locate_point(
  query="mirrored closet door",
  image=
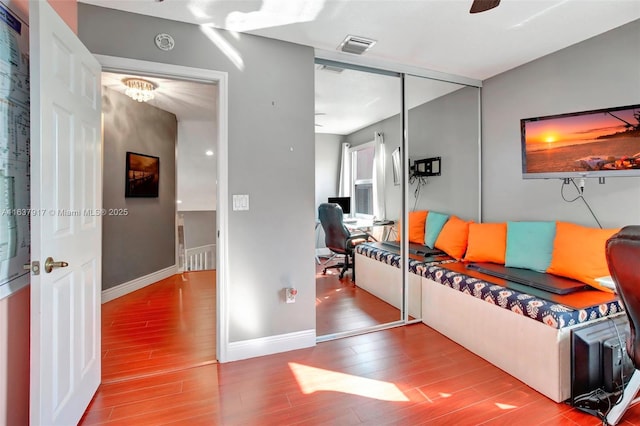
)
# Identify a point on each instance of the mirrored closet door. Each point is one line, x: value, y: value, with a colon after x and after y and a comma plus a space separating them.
x: 358, y: 127
x: 443, y: 175
x: 390, y: 149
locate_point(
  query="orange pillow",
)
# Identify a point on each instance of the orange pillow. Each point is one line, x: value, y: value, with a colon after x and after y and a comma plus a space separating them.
x: 487, y: 243
x: 579, y: 253
x: 453, y: 237
x: 417, y: 221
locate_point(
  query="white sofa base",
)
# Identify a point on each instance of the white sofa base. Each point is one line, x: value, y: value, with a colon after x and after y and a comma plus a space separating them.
x: 529, y: 350
x: 385, y: 282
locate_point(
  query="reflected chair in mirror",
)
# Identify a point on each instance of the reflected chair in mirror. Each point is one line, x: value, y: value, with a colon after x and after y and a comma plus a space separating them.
x: 623, y: 259
x: 338, y: 238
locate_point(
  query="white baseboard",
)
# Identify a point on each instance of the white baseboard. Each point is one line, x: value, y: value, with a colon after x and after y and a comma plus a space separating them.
x: 270, y: 345
x: 133, y: 285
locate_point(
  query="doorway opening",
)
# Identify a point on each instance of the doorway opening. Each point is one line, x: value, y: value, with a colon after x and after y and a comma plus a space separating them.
x: 200, y: 105
x: 176, y: 130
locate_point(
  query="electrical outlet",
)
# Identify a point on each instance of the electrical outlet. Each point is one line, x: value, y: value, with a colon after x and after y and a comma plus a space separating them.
x: 291, y: 294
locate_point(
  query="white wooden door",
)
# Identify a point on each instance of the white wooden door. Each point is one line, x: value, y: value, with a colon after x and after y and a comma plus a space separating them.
x: 66, y: 198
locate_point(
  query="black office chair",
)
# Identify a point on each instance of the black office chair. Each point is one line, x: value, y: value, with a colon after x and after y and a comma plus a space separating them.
x: 338, y: 238
x: 623, y: 258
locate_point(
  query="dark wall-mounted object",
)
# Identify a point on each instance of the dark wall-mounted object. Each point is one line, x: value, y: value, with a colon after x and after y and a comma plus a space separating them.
x: 142, y: 175
x: 426, y: 167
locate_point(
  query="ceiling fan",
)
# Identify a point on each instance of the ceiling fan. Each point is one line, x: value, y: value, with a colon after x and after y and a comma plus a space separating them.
x: 483, y: 5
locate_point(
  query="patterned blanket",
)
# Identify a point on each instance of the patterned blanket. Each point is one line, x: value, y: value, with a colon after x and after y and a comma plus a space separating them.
x: 553, y: 314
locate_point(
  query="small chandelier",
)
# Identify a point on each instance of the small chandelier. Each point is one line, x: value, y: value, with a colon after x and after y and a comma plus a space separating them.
x: 139, y: 89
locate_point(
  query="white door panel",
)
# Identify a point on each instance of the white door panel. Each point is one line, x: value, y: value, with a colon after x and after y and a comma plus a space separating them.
x: 66, y: 185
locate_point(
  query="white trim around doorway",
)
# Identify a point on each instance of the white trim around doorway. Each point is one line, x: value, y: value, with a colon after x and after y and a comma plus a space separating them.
x: 117, y: 64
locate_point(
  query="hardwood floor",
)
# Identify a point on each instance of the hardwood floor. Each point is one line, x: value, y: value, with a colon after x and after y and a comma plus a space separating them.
x: 341, y: 306
x: 407, y: 376
x: 404, y: 376
x: 167, y: 326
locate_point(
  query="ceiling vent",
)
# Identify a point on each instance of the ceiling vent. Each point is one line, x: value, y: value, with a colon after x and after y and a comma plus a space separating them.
x: 356, y: 45
x: 331, y: 68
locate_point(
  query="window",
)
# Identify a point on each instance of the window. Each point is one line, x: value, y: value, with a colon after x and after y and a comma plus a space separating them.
x: 362, y: 172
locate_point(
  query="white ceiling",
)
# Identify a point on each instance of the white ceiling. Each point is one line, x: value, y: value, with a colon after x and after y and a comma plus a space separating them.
x: 438, y: 35
x: 351, y: 100
x: 188, y: 100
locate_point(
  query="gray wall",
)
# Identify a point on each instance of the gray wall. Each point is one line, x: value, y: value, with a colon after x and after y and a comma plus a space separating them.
x: 142, y: 241
x: 598, y: 73
x: 271, y: 158
x: 328, y: 152
x: 446, y: 127
x: 199, y: 228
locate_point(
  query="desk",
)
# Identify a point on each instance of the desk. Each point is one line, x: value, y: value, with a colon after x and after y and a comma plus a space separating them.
x: 369, y: 226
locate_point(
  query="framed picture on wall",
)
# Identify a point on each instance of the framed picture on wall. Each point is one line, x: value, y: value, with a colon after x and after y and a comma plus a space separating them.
x: 143, y: 175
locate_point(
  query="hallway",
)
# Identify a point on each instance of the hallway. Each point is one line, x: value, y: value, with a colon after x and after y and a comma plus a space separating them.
x: 164, y: 327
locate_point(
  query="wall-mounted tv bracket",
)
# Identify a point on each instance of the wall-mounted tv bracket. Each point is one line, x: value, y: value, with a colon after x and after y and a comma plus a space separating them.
x: 427, y: 167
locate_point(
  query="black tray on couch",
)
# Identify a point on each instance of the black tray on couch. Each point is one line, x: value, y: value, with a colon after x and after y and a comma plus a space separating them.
x: 542, y: 281
x: 414, y: 248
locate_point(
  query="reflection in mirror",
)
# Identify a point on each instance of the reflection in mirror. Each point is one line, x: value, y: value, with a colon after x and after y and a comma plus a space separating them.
x: 397, y: 166
x: 443, y: 122
x: 443, y: 153
x: 359, y: 155
x: 358, y: 126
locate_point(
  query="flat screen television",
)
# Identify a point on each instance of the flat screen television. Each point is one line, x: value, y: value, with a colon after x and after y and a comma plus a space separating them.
x: 343, y: 202
x: 596, y: 143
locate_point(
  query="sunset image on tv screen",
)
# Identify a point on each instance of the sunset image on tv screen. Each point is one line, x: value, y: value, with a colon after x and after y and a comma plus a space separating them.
x: 595, y: 140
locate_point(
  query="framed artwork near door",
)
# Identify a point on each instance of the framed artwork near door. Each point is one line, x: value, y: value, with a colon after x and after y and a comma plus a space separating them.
x: 143, y: 175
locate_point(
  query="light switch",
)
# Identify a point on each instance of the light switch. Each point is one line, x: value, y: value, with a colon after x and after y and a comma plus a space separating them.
x: 240, y: 202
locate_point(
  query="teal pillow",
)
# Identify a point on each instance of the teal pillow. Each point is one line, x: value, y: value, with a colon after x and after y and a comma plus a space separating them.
x: 530, y: 245
x: 435, y: 222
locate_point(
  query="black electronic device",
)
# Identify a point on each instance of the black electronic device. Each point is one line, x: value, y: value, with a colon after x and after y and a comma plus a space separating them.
x: 597, y: 362
x: 343, y: 202
x: 415, y: 248
x: 426, y: 167
x: 617, y: 366
x: 542, y: 281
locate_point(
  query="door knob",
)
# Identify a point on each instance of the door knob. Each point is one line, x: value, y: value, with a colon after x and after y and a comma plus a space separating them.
x: 49, y: 264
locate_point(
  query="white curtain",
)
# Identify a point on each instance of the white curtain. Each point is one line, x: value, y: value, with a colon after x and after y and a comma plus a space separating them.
x: 344, y: 186
x: 379, y: 161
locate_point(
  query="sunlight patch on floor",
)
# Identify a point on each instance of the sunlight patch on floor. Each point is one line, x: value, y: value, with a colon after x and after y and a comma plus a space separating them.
x: 505, y: 406
x: 312, y: 379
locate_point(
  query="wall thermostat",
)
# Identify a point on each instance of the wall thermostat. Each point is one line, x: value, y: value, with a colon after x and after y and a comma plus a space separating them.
x: 164, y: 42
